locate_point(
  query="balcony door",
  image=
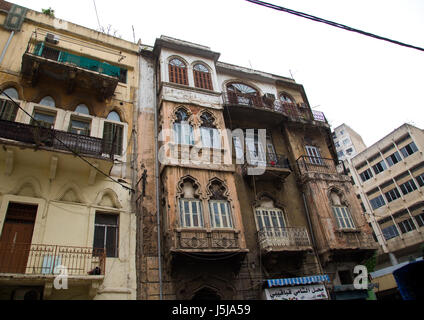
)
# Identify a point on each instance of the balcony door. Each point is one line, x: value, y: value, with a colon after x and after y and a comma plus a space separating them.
x: 314, y: 155
x: 16, y: 236
x: 264, y: 154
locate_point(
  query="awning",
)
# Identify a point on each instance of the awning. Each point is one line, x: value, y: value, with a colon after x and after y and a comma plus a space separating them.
x: 297, y: 281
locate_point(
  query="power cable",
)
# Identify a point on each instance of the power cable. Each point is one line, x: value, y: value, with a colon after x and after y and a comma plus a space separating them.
x: 66, y: 146
x: 331, y: 23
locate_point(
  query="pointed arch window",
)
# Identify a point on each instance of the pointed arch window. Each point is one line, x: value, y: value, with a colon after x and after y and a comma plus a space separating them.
x: 183, y: 131
x: 202, y: 77
x: 242, y: 94
x: 178, y: 71
x: 48, y: 101
x: 8, y: 110
x: 210, y: 134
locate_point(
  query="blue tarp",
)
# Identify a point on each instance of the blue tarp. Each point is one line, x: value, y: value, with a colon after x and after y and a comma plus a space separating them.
x: 410, y: 280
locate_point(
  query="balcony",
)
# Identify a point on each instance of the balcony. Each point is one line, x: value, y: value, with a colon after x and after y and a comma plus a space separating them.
x: 206, y: 240
x: 46, y: 58
x: 273, y: 167
x: 54, y: 139
x: 39, y: 264
x: 309, y: 164
x: 271, y: 110
x: 284, y: 239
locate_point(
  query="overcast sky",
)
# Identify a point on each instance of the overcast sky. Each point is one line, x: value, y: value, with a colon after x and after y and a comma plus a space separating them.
x: 371, y: 85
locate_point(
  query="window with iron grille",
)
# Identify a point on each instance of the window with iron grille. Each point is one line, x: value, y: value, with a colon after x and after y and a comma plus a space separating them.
x: 106, y: 231
x: 408, y: 187
x: 191, y: 215
x: 343, y: 217
x: 177, y: 71
x: 409, y: 149
x: 392, y: 194
x: 202, y: 77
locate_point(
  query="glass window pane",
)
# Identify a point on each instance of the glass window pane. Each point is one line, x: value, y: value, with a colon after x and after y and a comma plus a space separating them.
x: 111, y: 242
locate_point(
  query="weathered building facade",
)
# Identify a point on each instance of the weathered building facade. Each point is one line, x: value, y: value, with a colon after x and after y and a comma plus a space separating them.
x: 65, y: 159
x: 245, y: 182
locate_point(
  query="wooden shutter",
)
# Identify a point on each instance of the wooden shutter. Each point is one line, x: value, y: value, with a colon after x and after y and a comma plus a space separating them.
x: 8, y: 110
x: 112, y: 138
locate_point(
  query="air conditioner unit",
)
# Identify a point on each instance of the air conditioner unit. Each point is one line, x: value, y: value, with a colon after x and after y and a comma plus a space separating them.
x: 52, y: 38
x: 269, y: 96
x: 34, y: 293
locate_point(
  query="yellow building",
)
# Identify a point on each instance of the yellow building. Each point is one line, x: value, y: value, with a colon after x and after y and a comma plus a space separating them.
x: 65, y: 158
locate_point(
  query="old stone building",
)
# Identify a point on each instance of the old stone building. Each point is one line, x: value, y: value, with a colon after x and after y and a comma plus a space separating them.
x: 160, y: 172
x: 245, y: 183
x: 66, y: 113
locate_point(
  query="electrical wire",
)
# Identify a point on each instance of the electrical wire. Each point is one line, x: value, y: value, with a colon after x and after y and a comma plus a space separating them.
x: 331, y: 23
x: 65, y: 145
x: 97, y: 14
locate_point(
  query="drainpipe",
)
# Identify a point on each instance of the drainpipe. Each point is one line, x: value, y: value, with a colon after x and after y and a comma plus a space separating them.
x: 311, y: 232
x: 6, y: 46
x: 157, y: 175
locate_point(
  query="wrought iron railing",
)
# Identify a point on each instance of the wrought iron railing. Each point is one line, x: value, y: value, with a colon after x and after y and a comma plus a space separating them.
x: 39, y: 47
x: 309, y: 164
x: 55, y: 139
x: 204, y: 239
x: 284, y: 237
x: 43, y: 259
x: 296, y: 111
x: 268, y: 160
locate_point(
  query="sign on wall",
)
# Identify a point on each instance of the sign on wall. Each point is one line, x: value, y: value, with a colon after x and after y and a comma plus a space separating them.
x: 307, y: 292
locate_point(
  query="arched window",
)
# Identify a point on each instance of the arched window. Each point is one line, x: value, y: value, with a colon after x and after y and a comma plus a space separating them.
x: 11, y: 92
x: 341, y: 212
x: 177, y: 71
x: 210, y: 135
x: 286, y: 98
x: 82, y: 108
x: 183, y: 131
x: 113, y: 134
x: 202, y: 77
x: 219, y: 206
x: 190, y: 206
x: 48, y: 101
x: 242, y: 94
x: 8, y: 110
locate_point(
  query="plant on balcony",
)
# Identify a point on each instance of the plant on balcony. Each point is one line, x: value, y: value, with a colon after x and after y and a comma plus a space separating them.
x: 48, y: 12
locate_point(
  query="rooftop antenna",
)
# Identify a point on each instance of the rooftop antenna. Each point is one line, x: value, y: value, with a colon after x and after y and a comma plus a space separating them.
x: 133, y: 33
x: 250, y: 63
x: 97, y: 15
x: 291, y: 74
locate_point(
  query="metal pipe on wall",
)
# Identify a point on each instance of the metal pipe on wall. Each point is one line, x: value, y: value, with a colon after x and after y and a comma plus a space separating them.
x: 6, y: 46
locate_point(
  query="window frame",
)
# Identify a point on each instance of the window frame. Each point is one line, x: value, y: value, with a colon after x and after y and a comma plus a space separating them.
x: 408, y: 187
x: 344, y: 219
x: 107, y: 226
x: 202, y: 79
x: 219, y: 214
x: 177, y: 74
x: 380, y: 203
x: 183, y: 214
x: 107, y: 144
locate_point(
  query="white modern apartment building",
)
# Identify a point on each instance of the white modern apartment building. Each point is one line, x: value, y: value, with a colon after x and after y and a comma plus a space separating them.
x: 348, y: 142
x: 389, y: 181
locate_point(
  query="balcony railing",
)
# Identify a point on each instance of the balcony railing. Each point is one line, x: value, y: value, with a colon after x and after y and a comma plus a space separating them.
x: 59, y: 140
x: 43, y: 259
x: 38, y: 47
x: 203, y: 239
x: 284, y: 237
x: 272, y: 160
x: 294, y: 111
x: 309, y: 164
